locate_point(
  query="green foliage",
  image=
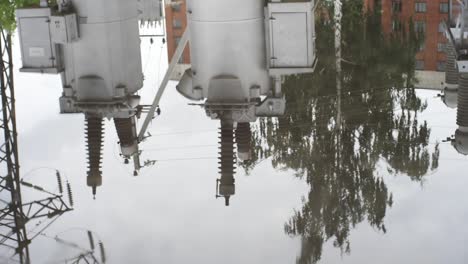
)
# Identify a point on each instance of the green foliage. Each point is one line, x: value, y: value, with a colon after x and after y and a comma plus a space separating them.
x: 7, y: 12
x: 379, y: 126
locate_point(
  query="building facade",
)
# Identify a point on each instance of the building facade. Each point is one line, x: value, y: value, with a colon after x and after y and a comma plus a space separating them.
x: 176, y: 23
x: 428, y: 17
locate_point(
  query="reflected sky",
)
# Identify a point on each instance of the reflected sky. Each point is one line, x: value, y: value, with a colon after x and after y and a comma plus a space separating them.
x: 384, y: 187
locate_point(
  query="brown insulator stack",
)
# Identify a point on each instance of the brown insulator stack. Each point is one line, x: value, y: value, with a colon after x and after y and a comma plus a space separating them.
x: 94, y: 138
x: 243, y: 140
x: 124, y: 127
x: 462, y: 115
x: 103, y: 252
x: 451, y: 71
x: 227, y: 160
x: 59, y: 181
x: 70, y: 194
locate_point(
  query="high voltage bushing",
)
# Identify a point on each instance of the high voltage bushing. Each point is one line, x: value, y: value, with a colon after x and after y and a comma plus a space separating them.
x: 243, y: 140
x: 227, y: 160
x: 94, y: 141
x: 461, y: 135
x: 59, y: 181
x: 70, y: 194
x: 103, y: 252
x: 124, y: 127
x: 91, y: 240
x: 451, y: 71
x: 462, y: 114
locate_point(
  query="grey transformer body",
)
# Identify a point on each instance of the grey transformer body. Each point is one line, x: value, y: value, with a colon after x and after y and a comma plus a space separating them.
x: 95, y: 47
x: 240, y: 55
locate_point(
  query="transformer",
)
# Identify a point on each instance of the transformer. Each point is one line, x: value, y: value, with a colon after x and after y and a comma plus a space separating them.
x: 265, y: 43
x: 240, y: 54
x: 457, y: 75
x: 95, y: 47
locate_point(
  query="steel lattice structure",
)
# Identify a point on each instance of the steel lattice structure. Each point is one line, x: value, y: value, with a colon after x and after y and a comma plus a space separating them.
x: 14, y: 214
x: 85, y: 256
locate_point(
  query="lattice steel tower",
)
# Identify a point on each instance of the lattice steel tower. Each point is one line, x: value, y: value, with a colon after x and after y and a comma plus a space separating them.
x: 15, y: 213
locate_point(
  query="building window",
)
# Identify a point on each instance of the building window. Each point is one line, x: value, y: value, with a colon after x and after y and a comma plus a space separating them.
x: 440, y: 47
x: 419, y: 65
x: 441, y: 66
x: 441, y: 27
x: 396, y: 6
x: 444, y: 8
x: 422, y: 47
x: 420, y: 26
x: 175, y: 7
x: 396, y: 25
x: 177, y: 23
x: 420, y: 7
x: 177, y: 40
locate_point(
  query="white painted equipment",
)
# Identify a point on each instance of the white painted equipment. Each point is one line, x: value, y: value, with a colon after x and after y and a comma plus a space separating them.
x: 95, y: 46
x: 100, y: 66
x: 240, y: 52
x: 457, y: 74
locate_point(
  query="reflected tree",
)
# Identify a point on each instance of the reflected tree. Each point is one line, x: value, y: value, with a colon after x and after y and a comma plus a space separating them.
x: 379, y: 127
x: 7, y: 12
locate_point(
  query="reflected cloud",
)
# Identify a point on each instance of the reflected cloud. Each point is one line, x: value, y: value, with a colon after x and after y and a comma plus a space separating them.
x: 340, y: 119
x: 336, y: 141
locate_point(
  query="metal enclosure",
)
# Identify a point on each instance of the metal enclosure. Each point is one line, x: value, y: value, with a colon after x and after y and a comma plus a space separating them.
x: 242, y: 51
x: 64, y: 28
x: 290, y: 37
x: 103, y: 69
x: 225, y: 45
x: 95, y: 46
x: 98, y: 55
x: 38, y: 53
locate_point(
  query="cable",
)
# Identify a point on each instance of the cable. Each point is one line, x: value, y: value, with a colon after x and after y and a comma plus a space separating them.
x: 45, y: 227
x: 148, y: 59
x: 179, y: 147
x: 49, y: 168
x: 185, y: 132
x: 159, y: 68
x: 187, y: 159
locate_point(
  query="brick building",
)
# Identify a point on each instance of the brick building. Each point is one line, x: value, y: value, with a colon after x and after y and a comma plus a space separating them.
x: 427, y: 16
x: 176, y: 22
